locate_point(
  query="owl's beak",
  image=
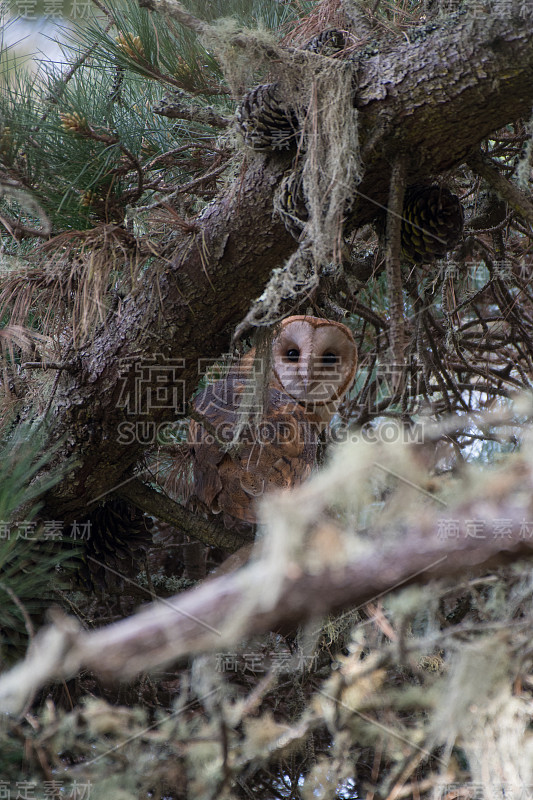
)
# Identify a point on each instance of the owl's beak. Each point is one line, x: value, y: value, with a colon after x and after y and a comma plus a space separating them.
x: 305, y: 377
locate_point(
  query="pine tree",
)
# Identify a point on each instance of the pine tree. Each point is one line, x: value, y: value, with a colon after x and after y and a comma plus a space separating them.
x: 150, y: 193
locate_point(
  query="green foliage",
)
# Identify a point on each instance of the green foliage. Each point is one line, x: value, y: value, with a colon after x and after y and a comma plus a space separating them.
x: 28, y: 560
x: 152, y: 47
x: 269, y: 13
x: 95, y: 135
x: 12, y: 766
x: 91, y: 170
x: 67, y: 167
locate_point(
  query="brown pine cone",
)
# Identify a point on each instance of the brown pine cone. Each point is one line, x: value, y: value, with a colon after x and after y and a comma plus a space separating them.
x: 265, y: 121
x: 432, y: 223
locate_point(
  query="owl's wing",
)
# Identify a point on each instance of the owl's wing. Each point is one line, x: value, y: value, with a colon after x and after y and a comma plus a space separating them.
x: 277, y: 453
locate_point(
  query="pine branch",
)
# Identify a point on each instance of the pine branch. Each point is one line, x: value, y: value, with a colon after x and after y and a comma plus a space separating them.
x: 14, y: 190
x: 177, y: 105
x: 19, y: 231
x: 210, y: 531
x: 485, y: 167
x: 61, y: 84
x: 178, y: 12
x: 188, y: 309
x: 394, y: 276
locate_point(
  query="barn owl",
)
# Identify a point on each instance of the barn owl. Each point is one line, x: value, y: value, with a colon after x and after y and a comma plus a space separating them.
x: 313, y: 363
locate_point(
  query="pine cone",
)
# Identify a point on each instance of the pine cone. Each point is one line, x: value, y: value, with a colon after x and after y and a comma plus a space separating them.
x: 291, y: 204
x: 327, y: 43
x: 432, y: 222
x: 118, y: 538
x: 265, y: 120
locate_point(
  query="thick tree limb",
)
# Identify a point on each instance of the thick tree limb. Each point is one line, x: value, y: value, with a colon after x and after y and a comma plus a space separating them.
x: 439, y: 95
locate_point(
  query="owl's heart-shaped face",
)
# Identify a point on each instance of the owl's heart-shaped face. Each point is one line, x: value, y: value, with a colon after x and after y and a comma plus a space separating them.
x: 313, y: 359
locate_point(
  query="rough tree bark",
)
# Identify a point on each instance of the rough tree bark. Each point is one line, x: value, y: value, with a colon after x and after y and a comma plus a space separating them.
x: 435, y: 98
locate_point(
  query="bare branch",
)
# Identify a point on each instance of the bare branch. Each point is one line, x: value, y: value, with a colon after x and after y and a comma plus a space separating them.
x: 210, y: 531
x: 393, y: 269
x: 178, y: 12
x: 232, y: 607
x: 485, y: 167
x: 178, y: 105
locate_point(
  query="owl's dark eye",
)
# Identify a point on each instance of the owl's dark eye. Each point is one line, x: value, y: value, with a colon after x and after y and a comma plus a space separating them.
x: 329, y: 358
x: 293, y: 355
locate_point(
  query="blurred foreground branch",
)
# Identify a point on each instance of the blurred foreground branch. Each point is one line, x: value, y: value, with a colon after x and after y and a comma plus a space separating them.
x: 275, y: 592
